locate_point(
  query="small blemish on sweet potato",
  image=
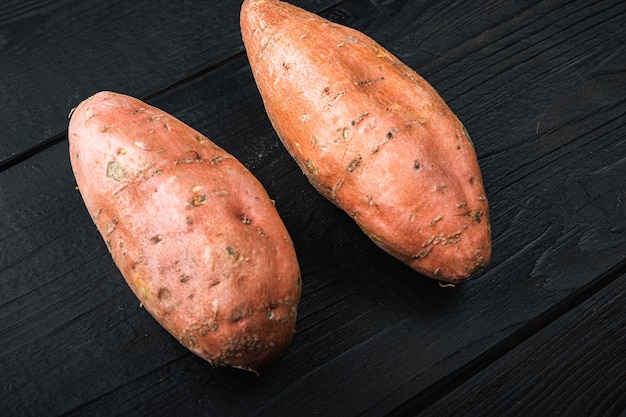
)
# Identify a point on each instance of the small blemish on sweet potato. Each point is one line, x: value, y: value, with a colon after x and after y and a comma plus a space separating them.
x: 217, y: 159
x: 310, y: 166
x: 452, y: 238
x: 359, y: 119
x: 197, y: 200
x: 423, y: 253
x: 188, y: 340
x: 115, y: 171
x: 142, y: 146
x: 234, y: 253
x: 192, y: 156
x: 435, y: 220
x: 475, y: 214
x: 164, y: 294
x: 238, y: 314
x: 380, y: 52
x: 354, y: 164
x: 335, y: 188
x: 111, y: 226
x: 370, y: 81
x: 348, y: 39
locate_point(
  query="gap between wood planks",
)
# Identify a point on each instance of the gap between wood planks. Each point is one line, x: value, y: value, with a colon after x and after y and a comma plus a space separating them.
x: 60, y: 137
x: 449, y: 383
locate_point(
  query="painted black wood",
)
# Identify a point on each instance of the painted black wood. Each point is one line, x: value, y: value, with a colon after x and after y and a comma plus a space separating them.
x: 56, y: 53
x: 575, y: 366
x: 540, y: 87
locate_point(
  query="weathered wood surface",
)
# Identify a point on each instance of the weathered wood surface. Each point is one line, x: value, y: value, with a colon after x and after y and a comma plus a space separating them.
x: 541, y: 88
x: 56, y: 53
x: 574, y: 366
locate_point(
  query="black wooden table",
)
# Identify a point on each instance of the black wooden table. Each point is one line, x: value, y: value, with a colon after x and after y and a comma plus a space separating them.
x: 540, y: 86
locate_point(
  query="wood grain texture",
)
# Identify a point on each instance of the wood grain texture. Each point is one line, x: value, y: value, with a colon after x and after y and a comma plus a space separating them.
x: 575, y: 366
x: 55, y: 54
x: 540, y: 87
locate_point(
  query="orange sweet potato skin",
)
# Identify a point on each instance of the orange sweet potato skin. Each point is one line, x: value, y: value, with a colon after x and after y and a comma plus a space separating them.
x: 373, y: 137
x: 193, y: 232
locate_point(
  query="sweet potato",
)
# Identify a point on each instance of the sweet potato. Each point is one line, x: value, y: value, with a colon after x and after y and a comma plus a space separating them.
x: 372, y: 136
x: 193, y: 232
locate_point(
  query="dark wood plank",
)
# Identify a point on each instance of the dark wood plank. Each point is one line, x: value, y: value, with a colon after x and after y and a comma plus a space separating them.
x: 552, y: 223
x: 56, y: 53
x: 371, y: 334
x: 575, y: 366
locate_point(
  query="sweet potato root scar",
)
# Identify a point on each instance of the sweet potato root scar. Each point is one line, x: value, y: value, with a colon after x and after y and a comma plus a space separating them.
x: 435, y: 220
x: 353, y: 164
